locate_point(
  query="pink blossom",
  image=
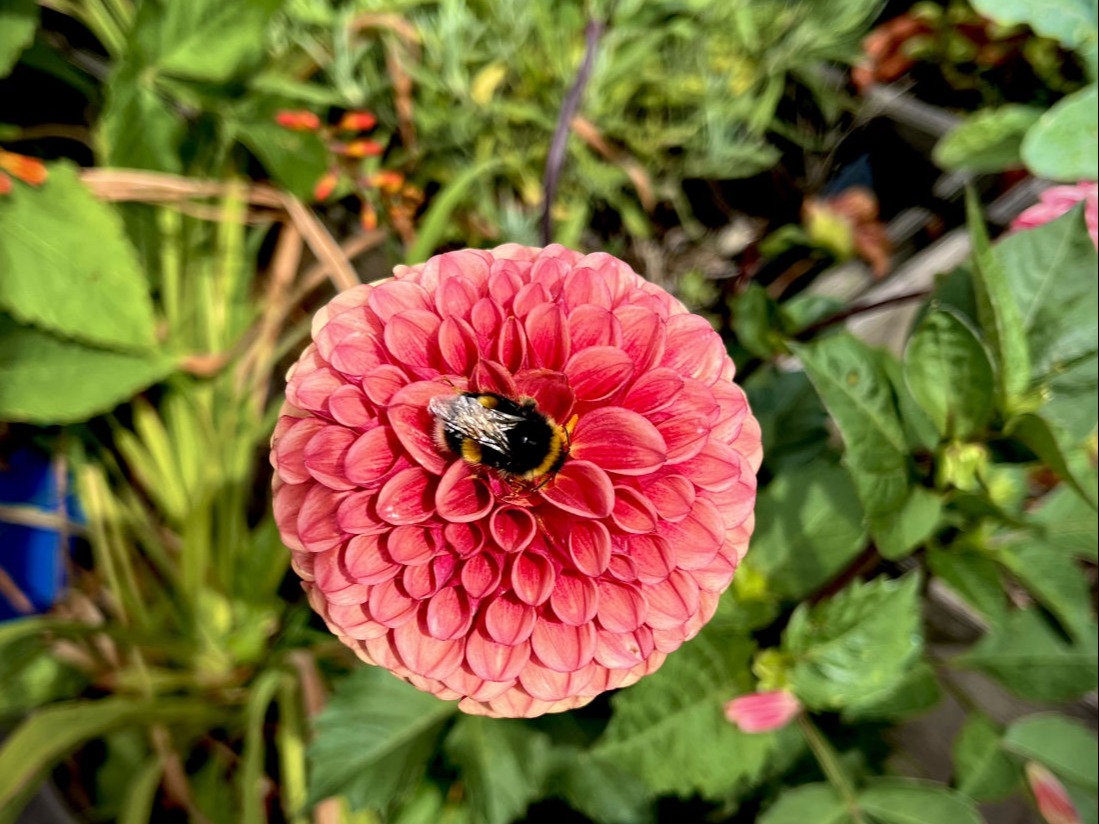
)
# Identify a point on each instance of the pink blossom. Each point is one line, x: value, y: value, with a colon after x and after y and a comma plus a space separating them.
x: 1057, y: 200
x: 763, y: 711
x: 516, y: 596
x: 1053, y: 800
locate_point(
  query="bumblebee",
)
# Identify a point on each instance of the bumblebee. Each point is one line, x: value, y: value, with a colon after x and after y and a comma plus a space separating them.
x: 486, y: 429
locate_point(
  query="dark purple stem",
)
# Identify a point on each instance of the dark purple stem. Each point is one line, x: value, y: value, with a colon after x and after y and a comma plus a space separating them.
x: 556, y: 157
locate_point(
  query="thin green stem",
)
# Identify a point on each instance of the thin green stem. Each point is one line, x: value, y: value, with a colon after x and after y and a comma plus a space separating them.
x: 829, y: 761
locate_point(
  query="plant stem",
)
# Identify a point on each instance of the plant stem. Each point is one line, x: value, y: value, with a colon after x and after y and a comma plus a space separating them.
x: 829, y: 761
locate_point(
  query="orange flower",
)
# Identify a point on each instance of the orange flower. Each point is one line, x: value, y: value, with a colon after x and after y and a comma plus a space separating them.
x: 298, y: 121
x: 359, y: 148
x: 358, y: 122
x: 30, y: 170
x: 326, y: 185
x: 387, y: 180
x: 5, y: 184
x: 368, y: 217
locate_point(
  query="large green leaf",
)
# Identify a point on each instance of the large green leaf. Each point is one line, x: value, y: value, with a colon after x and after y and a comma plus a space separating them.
x: 503, y: 765
x: 1071, y: 22
x: 47, y: 736
x: 1066, y: 747
x: 916, y: 692
x: 808, y: 804
x: 600, y: 789
x: 974, y: 576
x: 68, y: 266
x: 982, y: 770
x: 948, y: 372
x: 295, y: 160
x: 987, y: 141
x: 791, y: 416
x: 855, y: 646
x: 1068, y: 524
x: 808, y: 528
x: 1040, y: 437
x: 46, y: 380
x: 998, y: 311
x: 18, y: 21
x: 908, y: 801
x: 1033, y: 660
x: 669, y: 729
x: 1055, y: 579
x: 1061, y: 145
x: 856, y: 389
x: 138, y: 128
x: 374, y: 739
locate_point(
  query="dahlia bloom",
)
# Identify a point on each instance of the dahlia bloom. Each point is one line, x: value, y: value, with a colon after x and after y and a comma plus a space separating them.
x: 763, y: 711
x: 1057, y: 200
x: 517, y: 596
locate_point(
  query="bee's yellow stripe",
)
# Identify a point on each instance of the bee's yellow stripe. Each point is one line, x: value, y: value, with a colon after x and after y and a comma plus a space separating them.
x: 552, y: 454
x: 471, y: 451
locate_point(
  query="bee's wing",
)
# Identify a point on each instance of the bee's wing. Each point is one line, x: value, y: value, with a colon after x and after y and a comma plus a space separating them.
x: 467, y: 417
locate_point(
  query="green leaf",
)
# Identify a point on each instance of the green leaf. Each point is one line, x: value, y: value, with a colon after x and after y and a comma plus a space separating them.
x: 808, y: 804
x: 1068, y: 524
x: 948, y: 372
x: 917, y: 692
x: 998, y: 311
x: 46, y: 380
x: 1071, y: 22
x: 1056, y: 580
x: 1027, y: 656
x: 600, y: 789
x: 1066, y: 747
x: 374, y: 739
x: 296, y: 160
x: 206, y: 40
x: 974, y: 577
x: 855, y: 388
x: 69, y: 267
x: 138, y: 128
x: 808, y: 529
x: 1061, y: 145
x: 988, y: 140
x: 669, y: 729
x: 503, y: 765
x: 435, y: 225
x: 18, y: 22
x: 901, y: 533
x: 908, y: 801
x: 1051, y: 272
x: 756, y: 321
x: 49, y: 735
x: 855, y: 646
x: 790, y: 413
x: 982, y: 770
x: 1040, y: 438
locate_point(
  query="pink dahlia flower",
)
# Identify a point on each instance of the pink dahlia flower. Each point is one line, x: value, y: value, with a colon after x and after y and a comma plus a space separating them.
x: 516, y: 593
x: 1057, y: 200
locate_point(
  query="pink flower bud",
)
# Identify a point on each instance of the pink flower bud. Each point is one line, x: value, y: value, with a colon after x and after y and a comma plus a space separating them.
x: 1057, y: 200
x: 763, y: 711
x: 1053, y: 801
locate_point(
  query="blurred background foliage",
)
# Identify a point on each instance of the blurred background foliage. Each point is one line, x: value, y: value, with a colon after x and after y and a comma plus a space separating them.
x: 183, y: 183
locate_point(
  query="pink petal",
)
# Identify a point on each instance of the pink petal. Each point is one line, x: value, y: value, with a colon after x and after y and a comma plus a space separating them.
x: 512, y: 528
x: 618, y: 440
x: 313, y: 390
x: 464, y: 539
x: 716, y: 467
x: 357, y: 514
x: 735, y: 503
x: 390, y: 605
x: 598, y: 372
x: 684, y: 432
x: 633, y: 512
x: 486, y: 317
x: 371, y: 456
x: 622, y: 568
x: 468, y: 264
x: 407, y: 497
x: 528, y: 297
x: 354, y: 621
x: 672, y: 602
x: 549, y: 685
x: 653, y: 556
x: 581, y: 488
x: 425, y: 655
x: 317, y: 525
x: 575, y: 599
x: 411, y: 545
x: 381, y: 383
x: 718, y: 574
x: 481, y: 575
x: 419, y: 581
x: 672, y: 495
x: 454, y: 298
x: 504, y: 283
x: 550, y: 389
x: 619, y: 650
x: 492, y: 661
x: 490, y: 376
x: 732, y: 406
x: 532, y: 578
x: 698, y: 537
x: 642, y: 335
x: 547, y: 335
x: 590, y: 547
x: 585, y: 285
x: 763, y: 711
x: 458, y: 345
x: 462, y: 495
x: 410, y: 337
x: 333, y: 579
x: 562, y: 647
x: 395, y: 296
x: 693, y: 348
x: 368, y: 562
x: 288, y: 447
x: 653, y: 391
x: 622, y: 607
x: 511, y: 345
x: 507, y: 620
x: 593, y: 326
x: 350, y: 407
x: 414, y: 425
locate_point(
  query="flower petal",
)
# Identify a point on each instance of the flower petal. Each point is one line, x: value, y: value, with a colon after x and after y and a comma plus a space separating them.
x: 633, y: 512
x: 481, y: 575
x: 507, y: 620
x: 581, y: 488
x: 532, y: 577
x: 622, y: 607
x: 512, y: 528
x: 672, y: 602
x: 372, y: 456
x: 618, y: 440
x: 492, y: 661
x: 563, y: 647
x: 763, y: 711
x: 430, y: 657
x: 575, y: 598
x: 462, y: 495
x: 547, y: 334
x: 407, y: 497
x: 590, y: 547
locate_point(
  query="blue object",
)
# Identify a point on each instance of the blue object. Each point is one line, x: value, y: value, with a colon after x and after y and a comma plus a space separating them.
x: 31, y: 556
